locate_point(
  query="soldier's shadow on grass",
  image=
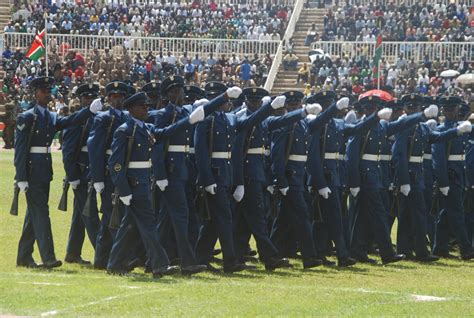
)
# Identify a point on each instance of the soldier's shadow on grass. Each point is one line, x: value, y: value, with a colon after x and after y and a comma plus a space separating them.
x: 170, y: 280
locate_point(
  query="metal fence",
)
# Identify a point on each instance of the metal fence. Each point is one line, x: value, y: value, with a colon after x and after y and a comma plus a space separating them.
x: 407, y: 3
x: 86, y: 43
x: 152, y: 2
x: 392, y: 50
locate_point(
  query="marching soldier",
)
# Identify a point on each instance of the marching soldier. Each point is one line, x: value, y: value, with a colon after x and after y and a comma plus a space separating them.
x: 325, y: 179
x: 76, y: 165
x: 152, y: 91
x: 130, y: 170
x: 371, y: 211
x: 408, y: 151
x: 98, y: 146
x: 450, y: 175
x: 172, y: 176
x: 35, y: 132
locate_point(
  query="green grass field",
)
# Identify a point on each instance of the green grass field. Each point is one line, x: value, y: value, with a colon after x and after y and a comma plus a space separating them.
x: 408, y: 288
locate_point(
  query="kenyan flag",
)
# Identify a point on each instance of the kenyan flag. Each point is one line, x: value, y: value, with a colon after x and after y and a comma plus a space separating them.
x: 377, y: 57
x: 37, y: 49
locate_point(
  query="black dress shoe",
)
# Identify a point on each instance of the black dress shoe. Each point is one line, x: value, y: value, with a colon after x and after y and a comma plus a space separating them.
x: 312, y: 262
x: 175, y: 261
x: 274, y: 263
x: 468, y: 256
x: 76, y: 260
x: 212, y: 269
x: 445, y: 255
x: 346, y: 262
x: 427, y: 258
x: 237, y: 267
x: 366, y: 260
x: 52, y: 264
x: 30, y: 264
x: 193, y: 269
x: 214, y: 259
x: 216, y: 252
x: 251, y: 253
x: 165, y: 270
x: 327, y: 262
x: 393, y: 259
x: 409, y: 256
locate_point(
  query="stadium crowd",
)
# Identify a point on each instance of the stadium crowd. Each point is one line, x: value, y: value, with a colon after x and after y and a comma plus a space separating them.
x: 420, y: 22
x: 168, y: 19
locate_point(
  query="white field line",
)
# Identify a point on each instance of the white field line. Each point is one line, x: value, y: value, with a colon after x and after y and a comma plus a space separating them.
x: 96, y: 302
x: 42, y: 283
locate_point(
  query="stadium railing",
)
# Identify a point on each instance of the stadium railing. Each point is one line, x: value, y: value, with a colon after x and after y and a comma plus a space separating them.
x: 392, y: 50
x: 407, y: 3
x: 86, y: 43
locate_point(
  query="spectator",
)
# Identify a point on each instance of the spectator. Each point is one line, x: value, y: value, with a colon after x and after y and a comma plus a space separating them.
x: 290, y: 61
x: 303, y: 74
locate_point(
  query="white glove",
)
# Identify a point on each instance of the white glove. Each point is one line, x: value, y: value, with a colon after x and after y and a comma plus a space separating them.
x: 95, y: 106
x: 444, y: 191
x: 99, y: 187
x: 284, y: 191
x: 405, y: 189
x: 313, y: 109
x: 279, y: 102
x: 431, y: 111
x: 239, y: 193
x: 310, y: 188
x: 350, y: 117
x: 200, y: 102
x: 162, y: 184
x: 324, y: 192
x: 197, y: 115
x: 234, y: 92
x: 385, y: 113
x: 355, y: 191
x: 74, y: 184
x: 126, y: 200
x: 271, y: 189
x: 431, y: 123
x: 211, y: 188
x: 23, y: 185
x: 464, y: 127
x: 343, y: 103
x: 266, y: 100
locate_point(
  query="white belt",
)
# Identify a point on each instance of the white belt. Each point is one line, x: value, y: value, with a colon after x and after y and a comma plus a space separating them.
x: 300, y: 158
x: 416, y: 159
x: 267, y: 152
x: 221, y: 155
x: 191, y: 150
x: 139, y: 164
x: 370, y: 157
x: 108, y: 152
x: 332, y: 155
x: 256, y: 151
x: 427, y: 156
x: 385, y: 157
x: 40, y: 149
x: 84, y: 149
x: 178, y: 148
x: 456, y: 157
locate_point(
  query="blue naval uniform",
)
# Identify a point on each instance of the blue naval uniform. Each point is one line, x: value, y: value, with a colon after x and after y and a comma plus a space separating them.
x: 217, y: 168
x: 293, y: 207
x: 324, y: 171
x: 428, y: 175
x: 137, y: 180
x: 251, y: 171
x: 370, y: 210
x: 450, y: 171
x: 34, y: 166
x: 77, y: 168
x: 99, y: 149
x: 174, y: 200
x: 412, y: 226
x: 470, y: 191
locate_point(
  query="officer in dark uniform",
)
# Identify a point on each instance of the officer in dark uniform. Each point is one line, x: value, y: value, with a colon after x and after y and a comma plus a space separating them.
x: 172, y: 177
x: 371, y: 212
x: 130, y: 169
x: 325, y: 179
x: 152, y: 91
x: 98, y: 146
x: 193, y: 93
x: 450, y: 175
x: 35, y: 132
x: 408, y: 150
x: 76, y: 165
